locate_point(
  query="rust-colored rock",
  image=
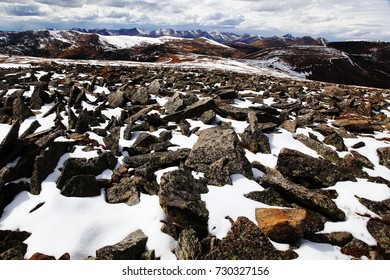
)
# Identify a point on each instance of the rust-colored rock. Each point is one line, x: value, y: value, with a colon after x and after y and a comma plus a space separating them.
x: 41, y: 257
x: 282, y: 225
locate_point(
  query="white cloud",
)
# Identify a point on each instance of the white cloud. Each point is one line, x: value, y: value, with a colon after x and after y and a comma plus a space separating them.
x: 338, y: 19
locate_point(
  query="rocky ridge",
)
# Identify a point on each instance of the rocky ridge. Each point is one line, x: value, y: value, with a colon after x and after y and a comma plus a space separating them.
x: 230, y: 122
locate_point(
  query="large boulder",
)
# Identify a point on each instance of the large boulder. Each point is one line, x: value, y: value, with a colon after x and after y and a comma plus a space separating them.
x: 308, y: 198
x: 130, y: 248
x: 282, y: 225
x: 384, y: 156
x: 180, y: 199
x: 309, y: 171
x: 219, y: 144
x: 244, y: 241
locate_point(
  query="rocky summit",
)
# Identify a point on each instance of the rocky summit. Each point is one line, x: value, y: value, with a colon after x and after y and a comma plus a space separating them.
x: 148, y: 161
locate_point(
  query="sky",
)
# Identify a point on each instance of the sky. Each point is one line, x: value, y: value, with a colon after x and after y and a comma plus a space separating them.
x: 332, y: 19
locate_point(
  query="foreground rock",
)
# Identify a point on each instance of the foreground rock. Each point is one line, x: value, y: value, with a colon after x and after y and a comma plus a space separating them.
x: 219, y: 151
x: 180, y: 199
x: 282, y: 225
x: 130, y: 248
x: 11, y: 244
x: 244, y: 241
x: 309, y: 171
x: 307, y: 198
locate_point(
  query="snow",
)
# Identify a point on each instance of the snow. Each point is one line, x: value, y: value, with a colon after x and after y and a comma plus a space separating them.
x: 4, y: 129
x: 124, y: 42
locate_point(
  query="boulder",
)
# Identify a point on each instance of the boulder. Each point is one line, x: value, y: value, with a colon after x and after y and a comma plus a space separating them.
x: 244, y: 241
x: 323, y: 150
x: 215, y: 144
x: 188, y: 246
x: 381, y: 232
x: 9, y: 140
x: 46, y: 162
x: 112, y: 140
x: 81, y: 186
x: 41, y: 257
x: 180, y: 199
x: 20, y: 110
x: 208, y: 117
x: 144, y: 143
x: 356, y: 248
x: 158, y: 159
x: 309, y: 171
x: 268, y: 196
x: 82, y: 124
x: 339, y: 238
x: 130, y: 248
x: 123, y: 192
x: 193, y: 111
x: 154, y: 87
x: 140, y: 97
x: 359, y: 126
x: 174, y: 104
x: 335, y: 140
x: 384, y: 156
x: 116, y: 99
x: 255, y: 140
x: 282, y: 225
x: 307, y: 198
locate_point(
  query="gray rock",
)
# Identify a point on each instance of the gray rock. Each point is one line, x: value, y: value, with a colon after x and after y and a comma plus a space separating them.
x: 130, y: 248
x: 215, y: 144
x: 154, y: 87
x: 188, y: 246
x: 193, y: 111
x: 244, y: 241
x: 20, y: 110
x: 123, y: 192
x: 116, y: 99
x: 381, y: 232
x: 82, y: 124
x: 335, y: 140
x: 323, y: 150
x: 309, y: 171
x: 10, y: 139
x: 362, y: 160
x: 384, y: 156
x: 180, y: 199
x: 307, y: 198
x: 255, y: 140
x: 208, y: 117
x: 140, y: 97
x: 174, y: 104
x: 159, y: 159
x: 112, y: 140
x: 46, y: 162
x: 340, y: 238
x: 144, y: 144
x: 268, y: 196
x: 81, y: 186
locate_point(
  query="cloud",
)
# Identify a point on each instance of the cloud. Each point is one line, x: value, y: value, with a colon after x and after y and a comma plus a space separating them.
x: 343, y: 19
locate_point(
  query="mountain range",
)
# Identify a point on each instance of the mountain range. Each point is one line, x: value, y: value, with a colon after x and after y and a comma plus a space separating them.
x: 357, y: 63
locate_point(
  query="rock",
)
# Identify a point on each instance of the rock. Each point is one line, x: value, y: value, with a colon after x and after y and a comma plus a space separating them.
x: 359, y: 126
x: 384, y: 156
x: 309, y: 171
x: 362, y: 160
x: 20, y: 110
x: 282, y: 225
x: 335, y: 140
x: 82, y: 124
x: 323, y: 150
x: 81, y: 186
x: 116, y: 99
x: 144, y: 144
x: 9, y: 140
x: 41, y: 257
x: 255, y: 140
x: 244, y: 241
x: 39, y: 96
x: 125, y: 191
x: 78, y: 166
x: 174, y: 104
x: 130, y: 248
x: 180, y: 199
x: 356, y: 248
x: 381, y: 208
x: 381, y: 232
x: 307, y: 198
x: 215, y: 144
x: 188, y: 246
x: 112, y: 140
x: 159, y: 159
x: 358, y: 145
x: 140, y: 97
x: 290, y: 125
x: 154, y: 87
x: 46, y: 162
x: 340, y: 238
x: 208, y: 117
x: 30, y: 130
x: 268, y: 196
x: 185, y: 127
x: 15, y: 252
x: 354, y: 167
x: 193, y: 111
x: 64, y: 257
x: 10, y: 191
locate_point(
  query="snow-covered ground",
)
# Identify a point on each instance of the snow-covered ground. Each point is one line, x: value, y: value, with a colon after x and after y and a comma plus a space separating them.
x: 80, y: 226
